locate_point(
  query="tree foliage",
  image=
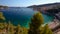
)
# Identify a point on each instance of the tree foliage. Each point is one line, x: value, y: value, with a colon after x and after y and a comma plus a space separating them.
x: 36, y: 22
x: 36, y: 25
x: 47, y: 30
x: 2, y: 18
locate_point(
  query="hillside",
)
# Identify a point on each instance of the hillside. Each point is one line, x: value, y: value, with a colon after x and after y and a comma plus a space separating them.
x: 3, y: 7
x: 49, y: 9
x: 44, y: 5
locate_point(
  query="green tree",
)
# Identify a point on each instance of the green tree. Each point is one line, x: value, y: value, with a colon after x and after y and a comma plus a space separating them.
x: 18, y: 29
x: 25, y: 30
x: 2, y: 18
x: 36, y: 25
x: 36, y: 22
x: 47, y: 30
x: 10, y: 28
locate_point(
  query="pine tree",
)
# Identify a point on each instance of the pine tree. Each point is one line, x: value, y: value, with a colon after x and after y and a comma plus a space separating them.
x: 36, y: 25
x: 50, y: 32
x: 10, y: 28
x: 2, y: 18
x: 5, y: 25
x: 41, y: 29
x: 36, y: 22
x: 47, y: 30
x: 18, y: 29
x: 25, y: 30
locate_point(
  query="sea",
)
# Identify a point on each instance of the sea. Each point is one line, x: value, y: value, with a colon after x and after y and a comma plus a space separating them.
x: 22, y: 16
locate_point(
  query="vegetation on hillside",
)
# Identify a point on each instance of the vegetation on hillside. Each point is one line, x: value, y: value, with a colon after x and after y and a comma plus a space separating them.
x: 9, y: 28
x: 35, y: 26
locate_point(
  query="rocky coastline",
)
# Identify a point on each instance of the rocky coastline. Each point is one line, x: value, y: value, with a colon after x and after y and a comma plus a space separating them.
x: 3, y: 7
x: 48, y: 9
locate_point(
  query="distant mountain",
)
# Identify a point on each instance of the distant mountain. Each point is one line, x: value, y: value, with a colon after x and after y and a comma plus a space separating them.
x: 3, y: 7
x: 49, y: 9
x: 45, y: 5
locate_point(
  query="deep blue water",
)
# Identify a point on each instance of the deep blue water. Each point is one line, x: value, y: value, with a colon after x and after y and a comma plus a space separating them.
x: 22, y: 16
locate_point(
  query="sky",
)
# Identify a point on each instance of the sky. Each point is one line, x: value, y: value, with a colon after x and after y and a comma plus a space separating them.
x: 25, y: 3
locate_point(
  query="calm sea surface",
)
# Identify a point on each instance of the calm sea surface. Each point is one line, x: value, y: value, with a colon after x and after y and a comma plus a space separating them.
x: 22, y: 16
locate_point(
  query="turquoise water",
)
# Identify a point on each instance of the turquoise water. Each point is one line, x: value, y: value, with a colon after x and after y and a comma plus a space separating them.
x: 22, y: 16
x: 48, y: 18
